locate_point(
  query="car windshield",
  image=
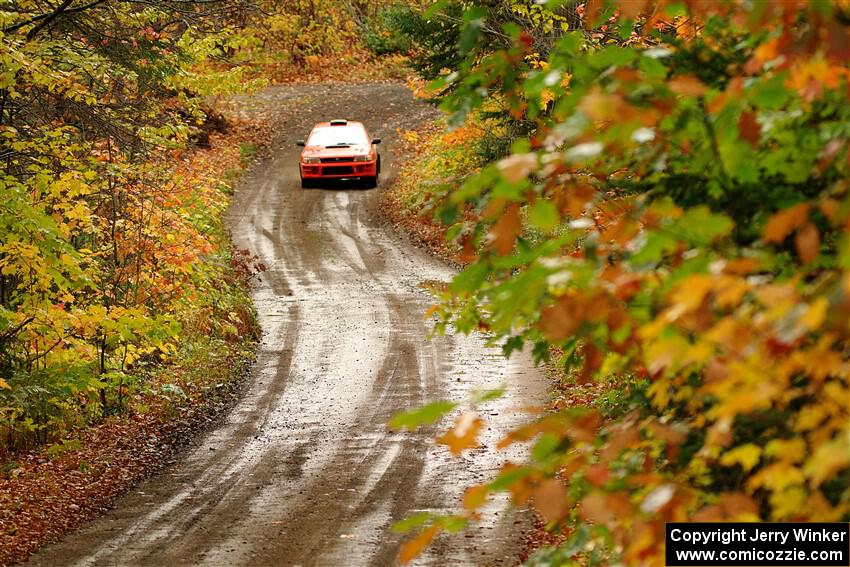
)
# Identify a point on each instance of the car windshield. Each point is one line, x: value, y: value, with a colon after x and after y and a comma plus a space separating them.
x: 337, y: 136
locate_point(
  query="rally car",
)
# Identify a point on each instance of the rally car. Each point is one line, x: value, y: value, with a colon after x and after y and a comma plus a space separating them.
x: 339, y: 149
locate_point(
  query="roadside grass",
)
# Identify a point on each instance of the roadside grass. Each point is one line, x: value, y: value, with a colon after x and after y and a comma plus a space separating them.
x: 434, y: 160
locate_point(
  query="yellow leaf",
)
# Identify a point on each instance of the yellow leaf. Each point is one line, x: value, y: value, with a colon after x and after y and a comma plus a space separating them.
x: 790, y: 450
x: 809, y: 418
x: 777, y: 476
x: 815, y: 314
x: 690, y: 294
x: 788, y: 503
x: 745, y: 455
x: 4, y: 385
x: 828, y: 459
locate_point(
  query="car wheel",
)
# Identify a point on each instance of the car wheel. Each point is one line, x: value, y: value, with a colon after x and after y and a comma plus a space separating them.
x: 306, y: 183
x: 371, y: 182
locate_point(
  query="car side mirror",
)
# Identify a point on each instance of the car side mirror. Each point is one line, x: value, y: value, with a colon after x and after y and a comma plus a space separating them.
x: 376, y: 140
x: 300, y: 143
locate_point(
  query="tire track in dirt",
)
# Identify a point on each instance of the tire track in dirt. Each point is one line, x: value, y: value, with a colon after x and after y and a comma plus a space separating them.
x: 304, y: 471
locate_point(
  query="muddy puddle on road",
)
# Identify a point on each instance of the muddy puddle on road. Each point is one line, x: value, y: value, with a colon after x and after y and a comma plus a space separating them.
x: 304, y: 470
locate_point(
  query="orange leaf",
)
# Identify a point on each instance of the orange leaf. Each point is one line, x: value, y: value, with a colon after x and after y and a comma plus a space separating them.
x: 807, y: 241
x: 737, y: 503
x: 632, y: 8
x: 782, y: 223
x: 550, y: 499
x: 829, y: 207
x: 467, y: 253
x: 517, y: 167
x: 584, y: 427
x: 594, y: 508
x: 599, y: 105
x: 767, y: 51
x: 593, y: 358
x: 687, y: 85
x: 741, y: 266
x: 413, y: 548
x: 506, y: 229
x: 601, y: 508
x: 462, y: 434
x: 561, y: 320
x: 475, y: 496
x: 597, y: 474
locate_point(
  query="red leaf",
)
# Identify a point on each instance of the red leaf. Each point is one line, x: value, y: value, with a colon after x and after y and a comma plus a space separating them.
x: 748, y: 128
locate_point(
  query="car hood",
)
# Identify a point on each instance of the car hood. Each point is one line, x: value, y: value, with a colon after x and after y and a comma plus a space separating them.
x: 321, y: 151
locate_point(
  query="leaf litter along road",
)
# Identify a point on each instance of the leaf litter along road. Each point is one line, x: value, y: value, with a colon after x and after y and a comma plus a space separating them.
x: 304, y: 470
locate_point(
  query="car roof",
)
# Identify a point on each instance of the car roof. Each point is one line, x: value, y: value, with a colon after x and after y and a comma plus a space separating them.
x: 348, y: 124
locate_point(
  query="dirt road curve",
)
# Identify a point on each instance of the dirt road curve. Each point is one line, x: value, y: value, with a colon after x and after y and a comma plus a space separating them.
x: 304, y: 471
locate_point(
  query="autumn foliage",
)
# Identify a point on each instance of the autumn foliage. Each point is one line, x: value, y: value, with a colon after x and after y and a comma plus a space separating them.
x: 113, y: 259
x: 674, y: 227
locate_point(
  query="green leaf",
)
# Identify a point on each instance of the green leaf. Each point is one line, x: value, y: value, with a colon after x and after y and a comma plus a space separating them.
x: 488, y: 395
x: 544, y: 447
x: 700, y: 226
x: 612, y: 55
x: 421, y: 416
x: 470, y: 279
x: 507, y: 478
x: 771, y: 94
x: 543, y: 215
x: 652, y: 68
x: 454, y: 523
x: 412, y: 522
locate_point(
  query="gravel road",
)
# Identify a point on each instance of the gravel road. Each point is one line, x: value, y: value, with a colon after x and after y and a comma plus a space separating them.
x: 304, y: 471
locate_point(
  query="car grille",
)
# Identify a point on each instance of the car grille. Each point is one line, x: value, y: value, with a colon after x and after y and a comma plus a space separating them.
x: 338, y: 170
x: 334, y: 159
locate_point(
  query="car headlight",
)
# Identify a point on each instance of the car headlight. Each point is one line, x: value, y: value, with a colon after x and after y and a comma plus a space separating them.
x: 310, y: 160
x: 367, y: 157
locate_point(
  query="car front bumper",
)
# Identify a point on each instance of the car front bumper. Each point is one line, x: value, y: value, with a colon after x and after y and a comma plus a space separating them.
x: 338, y: 170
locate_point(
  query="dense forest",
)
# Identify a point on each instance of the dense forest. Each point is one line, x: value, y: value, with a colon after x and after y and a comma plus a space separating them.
x: 113, y: 259
x: 650, y: 196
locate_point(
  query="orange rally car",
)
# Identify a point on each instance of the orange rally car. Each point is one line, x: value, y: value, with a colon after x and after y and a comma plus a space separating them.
x: 339, y: 149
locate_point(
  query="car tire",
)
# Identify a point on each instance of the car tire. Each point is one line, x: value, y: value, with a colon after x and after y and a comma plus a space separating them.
x: 306, y: 183
x: 371, y: 182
